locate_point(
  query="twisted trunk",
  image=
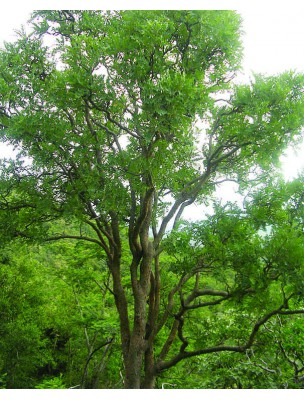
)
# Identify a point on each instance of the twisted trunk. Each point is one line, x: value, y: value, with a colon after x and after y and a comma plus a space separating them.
x: 137, y: 349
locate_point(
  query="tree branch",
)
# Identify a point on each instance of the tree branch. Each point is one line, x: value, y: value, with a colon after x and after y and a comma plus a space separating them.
x: 76, y: 237
x: 118, y: 124
x: 182, y: 355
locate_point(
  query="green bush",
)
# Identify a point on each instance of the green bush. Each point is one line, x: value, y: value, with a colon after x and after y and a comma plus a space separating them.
x: 53, y: 383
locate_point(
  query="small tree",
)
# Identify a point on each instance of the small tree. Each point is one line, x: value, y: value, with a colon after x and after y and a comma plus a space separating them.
x: 128, y: 118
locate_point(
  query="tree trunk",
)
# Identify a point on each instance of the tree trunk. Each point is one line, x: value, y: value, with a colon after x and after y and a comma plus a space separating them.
x: 140, y: 363
x: 142, y: 249
x: 139, y: 356
x: 149, y: 379
x: 133, y: 367
x: 134, y: 364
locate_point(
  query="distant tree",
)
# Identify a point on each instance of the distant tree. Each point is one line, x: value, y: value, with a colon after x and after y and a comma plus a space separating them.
x: 23, y: 350
x: 122, y: 121
x: 69, y: 339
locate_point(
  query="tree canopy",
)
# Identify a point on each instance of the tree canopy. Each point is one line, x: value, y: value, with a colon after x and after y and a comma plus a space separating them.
x: 121, y: 121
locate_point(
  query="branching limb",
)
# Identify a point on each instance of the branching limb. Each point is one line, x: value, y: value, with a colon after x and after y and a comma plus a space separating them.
x: 170, y: 302
x: 90, y: 356
x: 263, y: 367
x: 182, y: 355
x: 112, y: 120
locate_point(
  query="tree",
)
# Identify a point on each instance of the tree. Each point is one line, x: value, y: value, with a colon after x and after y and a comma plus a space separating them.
x: 123, y: 120
x: 23, y: 349
x: 68, y: 340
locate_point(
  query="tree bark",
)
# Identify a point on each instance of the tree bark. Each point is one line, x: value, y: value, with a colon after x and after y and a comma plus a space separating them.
x: 133, y: 366
x: 137, y: 346
x: 149, y: 378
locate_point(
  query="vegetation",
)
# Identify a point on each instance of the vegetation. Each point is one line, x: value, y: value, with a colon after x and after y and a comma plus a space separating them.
x: 123, y: 120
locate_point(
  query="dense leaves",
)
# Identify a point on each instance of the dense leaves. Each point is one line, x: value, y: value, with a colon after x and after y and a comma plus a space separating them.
x: 120, y: 121
x: 57, y: 326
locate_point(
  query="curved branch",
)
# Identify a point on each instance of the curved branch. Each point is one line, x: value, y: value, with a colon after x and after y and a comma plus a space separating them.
x: 182, y: 355
x: 206, y: 303
x: 181, y: 210
x: 76, y: 237
x: 185, y: 198
x: 90, y: 356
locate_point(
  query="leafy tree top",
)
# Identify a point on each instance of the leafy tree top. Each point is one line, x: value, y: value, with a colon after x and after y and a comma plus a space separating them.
x: 127, y: 118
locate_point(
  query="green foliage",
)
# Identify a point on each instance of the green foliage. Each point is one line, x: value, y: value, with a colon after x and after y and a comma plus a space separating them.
x: 271, y: 364
x: 3, y: 381
x: 53, y: 383
x: 121, y: 120
x: 42, y: 338
x: 22, y: 347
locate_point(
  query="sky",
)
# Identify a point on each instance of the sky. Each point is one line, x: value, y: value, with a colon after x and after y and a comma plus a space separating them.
x: 273, y: 36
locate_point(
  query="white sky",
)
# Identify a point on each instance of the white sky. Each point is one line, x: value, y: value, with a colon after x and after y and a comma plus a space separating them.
x: 273, y: 34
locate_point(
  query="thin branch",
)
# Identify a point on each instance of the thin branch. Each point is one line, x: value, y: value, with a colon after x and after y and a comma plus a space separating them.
x: 181, y: 210
x: 63, y: 236
x: 206, y: 303
x: 185, y: 198
x: 101, y: 239
x: 118, y: 124
x: 265, y: 368
x: 91, y: 353
x: 170, y: 302
x: 110, y: 132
